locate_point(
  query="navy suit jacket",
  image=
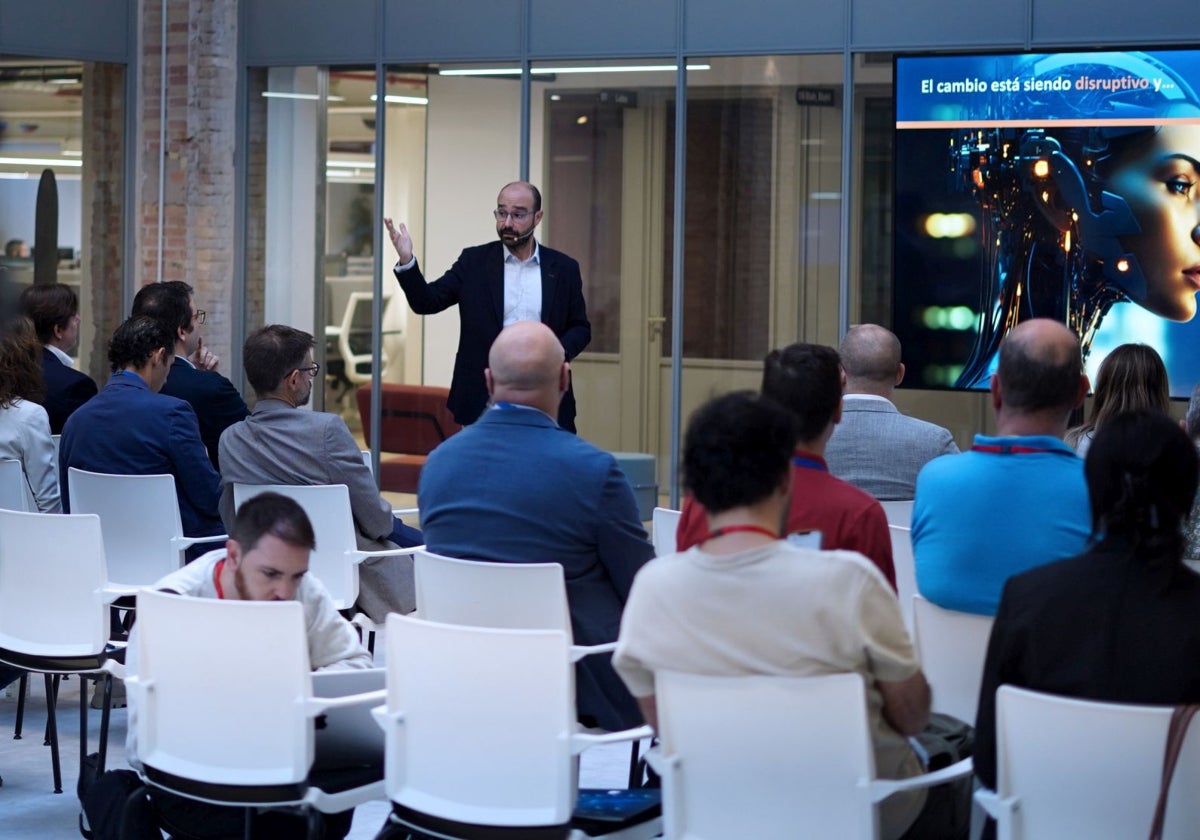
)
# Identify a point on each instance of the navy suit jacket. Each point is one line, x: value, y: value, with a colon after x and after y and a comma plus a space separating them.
x: 515, y: 488
x: 127, y: 429
x: 217, y: 404
x: 66, y: 390
x: 476, y: 283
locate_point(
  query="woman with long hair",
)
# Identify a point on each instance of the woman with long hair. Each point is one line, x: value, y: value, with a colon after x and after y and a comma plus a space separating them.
x: 24, y: 425
x: 1117, y: 623
x: 1132, y: 376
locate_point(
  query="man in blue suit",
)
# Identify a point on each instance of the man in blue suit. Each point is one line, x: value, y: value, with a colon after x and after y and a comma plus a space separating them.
x: 54, y: 310
x: 194, y: 377
x: 129, y: 428
x: 497, y: 285
x: 514, y: 487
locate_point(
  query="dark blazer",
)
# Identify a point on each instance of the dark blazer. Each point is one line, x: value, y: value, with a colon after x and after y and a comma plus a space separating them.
x: 66, y: 390
x: 217, y: 404
x: 1101, y: 626
x: 476, y: 283
x: 515, y: 488
x: 127, y: 429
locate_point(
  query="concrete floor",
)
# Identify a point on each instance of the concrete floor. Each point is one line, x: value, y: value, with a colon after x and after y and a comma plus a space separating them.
x: 30, y: 810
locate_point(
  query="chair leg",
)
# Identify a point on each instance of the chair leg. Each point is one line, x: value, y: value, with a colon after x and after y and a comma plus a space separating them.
x: 313, y: 825
x: 635, y: 768
x: 105, y: 715
x: 21, y: 690
x: 249, y: 824
x: 52, y: 733
x: 57, y: 678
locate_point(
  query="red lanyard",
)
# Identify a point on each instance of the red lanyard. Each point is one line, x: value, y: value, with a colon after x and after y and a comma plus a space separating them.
x: 748, y: 529
x: 217, y: 578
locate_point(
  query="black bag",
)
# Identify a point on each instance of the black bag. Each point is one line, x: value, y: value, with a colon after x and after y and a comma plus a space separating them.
x: 114, y: 804
x: 947, y: 811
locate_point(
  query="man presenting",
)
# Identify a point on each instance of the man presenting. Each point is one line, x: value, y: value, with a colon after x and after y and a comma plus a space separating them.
x: 496, y: 285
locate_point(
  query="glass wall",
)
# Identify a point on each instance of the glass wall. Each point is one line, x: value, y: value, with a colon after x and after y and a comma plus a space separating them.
x: 66, y: 118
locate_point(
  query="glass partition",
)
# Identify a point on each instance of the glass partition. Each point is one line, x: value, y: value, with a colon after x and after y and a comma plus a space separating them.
x: 66, y: 118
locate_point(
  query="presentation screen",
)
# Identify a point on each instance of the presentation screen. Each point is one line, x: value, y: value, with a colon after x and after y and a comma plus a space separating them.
x: 1060, y: 185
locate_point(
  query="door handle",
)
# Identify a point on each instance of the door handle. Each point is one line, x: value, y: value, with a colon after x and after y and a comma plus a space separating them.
x: 656, y: 325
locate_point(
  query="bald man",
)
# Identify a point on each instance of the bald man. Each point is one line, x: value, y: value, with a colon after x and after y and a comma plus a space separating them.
x: 1017, y: 499
x: 875, y: 447
x: 514, y: 488
x: 497, y: 285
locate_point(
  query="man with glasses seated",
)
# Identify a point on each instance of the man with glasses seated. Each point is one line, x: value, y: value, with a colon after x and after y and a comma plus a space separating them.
x: 496, y: 285
x: 276, y: 444
x: 194, y: 377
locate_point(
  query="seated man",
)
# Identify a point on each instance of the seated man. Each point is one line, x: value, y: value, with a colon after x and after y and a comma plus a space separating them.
x: 807, y: 380
x: 514, y: 488
x: 1018, y: 498
x: 744, y: 601
x: 54, y: 310
x: 279, y: 444
x: 875, y: 447
x: 129, y: 428
x: 265, y: 559
x: 194, y: 377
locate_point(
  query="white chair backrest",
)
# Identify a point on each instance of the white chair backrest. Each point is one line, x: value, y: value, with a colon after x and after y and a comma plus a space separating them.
x: 898, y: 512
x: 357, y: 325
x: 334, y: 562
x: 52, y: 574
x: 221, y: 687
x: 13, y: 494
x: 951, y: 646
x: 663, y: 525
x: 139, y: 518
x: 1079, y: 768
x: 522, y: 596
x: 765, y: 756
x: 906, y: 571
x: 503, y: 699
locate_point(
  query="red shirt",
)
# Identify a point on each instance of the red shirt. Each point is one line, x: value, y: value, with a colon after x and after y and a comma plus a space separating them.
x: 847, y: 517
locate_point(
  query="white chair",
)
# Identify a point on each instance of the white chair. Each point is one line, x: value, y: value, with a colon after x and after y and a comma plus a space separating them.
x: 336, y: 558
x: 663, y: 524
x: 1079, y: 768
x: 354, y: 338
x: 951, y: 646
x: 906, y: 571
x: 898, y: 512
x: 139, y: 519
x: 515, y: 596
x: 12, y: 485
x: 54, y: 611
x: 770, y: 757
x: 480, y: 726
x: 224, y: 721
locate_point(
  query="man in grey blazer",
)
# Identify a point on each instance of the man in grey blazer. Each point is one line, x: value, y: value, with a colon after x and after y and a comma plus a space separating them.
x: 280, y: 444
x: 875, y: 447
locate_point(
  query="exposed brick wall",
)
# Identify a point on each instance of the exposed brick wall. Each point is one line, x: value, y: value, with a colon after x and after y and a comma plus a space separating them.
x: 197, y: 217
x: 104, y: 149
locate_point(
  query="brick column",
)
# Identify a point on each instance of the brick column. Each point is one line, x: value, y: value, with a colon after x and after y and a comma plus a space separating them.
x: 200, y: 112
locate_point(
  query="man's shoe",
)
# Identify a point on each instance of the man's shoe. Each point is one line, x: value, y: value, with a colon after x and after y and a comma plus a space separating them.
x: 118, y: 695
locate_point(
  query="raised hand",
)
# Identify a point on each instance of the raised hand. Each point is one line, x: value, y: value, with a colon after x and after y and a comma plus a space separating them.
x: 400, y: 239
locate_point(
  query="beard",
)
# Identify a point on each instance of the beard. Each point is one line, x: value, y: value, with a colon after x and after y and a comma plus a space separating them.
x: 514, y: 238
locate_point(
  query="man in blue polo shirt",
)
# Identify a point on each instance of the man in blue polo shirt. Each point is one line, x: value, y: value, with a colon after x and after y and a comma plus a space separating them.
x: 1016, y: 500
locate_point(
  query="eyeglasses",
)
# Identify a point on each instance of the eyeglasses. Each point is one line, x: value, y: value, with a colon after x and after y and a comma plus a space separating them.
x: 199, y: 317
x: 517, y: 216
x: 311, y: 370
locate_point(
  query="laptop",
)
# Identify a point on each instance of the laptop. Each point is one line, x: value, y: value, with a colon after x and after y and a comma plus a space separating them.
x: 348, y: 737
